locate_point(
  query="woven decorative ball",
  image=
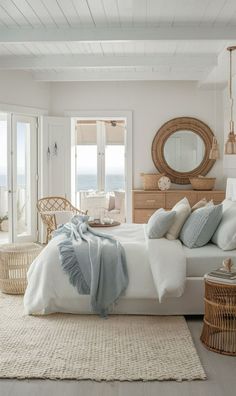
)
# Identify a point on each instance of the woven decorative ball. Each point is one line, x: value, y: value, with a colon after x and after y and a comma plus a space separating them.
x: 15, y: 260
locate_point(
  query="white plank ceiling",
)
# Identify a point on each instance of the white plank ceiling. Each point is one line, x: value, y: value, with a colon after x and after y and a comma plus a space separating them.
x: 58, y: 40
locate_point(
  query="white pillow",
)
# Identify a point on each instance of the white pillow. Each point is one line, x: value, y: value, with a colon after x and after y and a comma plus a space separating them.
x: 62, y: 216
x: 202, y: 204
x: 183, y: 210
x: 119, y: 198
x: 225, y: 235
x: 111, y: 202
x: 227, y: 203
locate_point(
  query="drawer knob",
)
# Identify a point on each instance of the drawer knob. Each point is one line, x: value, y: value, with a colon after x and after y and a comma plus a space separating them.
x: 150, y: 200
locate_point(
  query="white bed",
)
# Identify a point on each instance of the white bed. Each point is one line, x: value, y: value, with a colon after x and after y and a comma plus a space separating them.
x: 43, y: 294
x: 165, y: 277
x: 49, y: 289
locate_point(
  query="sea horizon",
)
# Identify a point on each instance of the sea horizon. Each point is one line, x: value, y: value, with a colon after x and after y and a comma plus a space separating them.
x: 84, y: 182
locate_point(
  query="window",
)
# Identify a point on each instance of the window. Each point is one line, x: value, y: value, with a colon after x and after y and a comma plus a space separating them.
x: 114, y: 167
x: 86, y: 167
x: 100, y: 162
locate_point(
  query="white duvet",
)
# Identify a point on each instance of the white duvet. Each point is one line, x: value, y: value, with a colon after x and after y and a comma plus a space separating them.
x: 157, y: 269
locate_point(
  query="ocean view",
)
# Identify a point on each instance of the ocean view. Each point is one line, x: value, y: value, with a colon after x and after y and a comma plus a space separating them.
x: 20, y: 180
x: 89, y: 182
x: 84, y: 182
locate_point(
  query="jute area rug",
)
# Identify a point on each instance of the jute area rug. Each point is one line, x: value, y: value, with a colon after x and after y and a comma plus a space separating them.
x: 124, y: 348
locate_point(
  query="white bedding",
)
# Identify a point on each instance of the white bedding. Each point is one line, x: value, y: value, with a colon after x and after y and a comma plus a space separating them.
x: 49, y: 289
x: 168, y: 264
x: 150, y: 276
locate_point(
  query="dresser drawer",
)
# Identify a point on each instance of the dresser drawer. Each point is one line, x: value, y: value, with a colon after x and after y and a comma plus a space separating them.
x: 217, y: 196
x: 173, y: 197
x: 146, y: 202
x: 141, y: 216
x: 149, y: 200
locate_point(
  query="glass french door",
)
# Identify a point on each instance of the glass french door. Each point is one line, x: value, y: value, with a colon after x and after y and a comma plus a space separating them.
x: 100, y: 156
x: 99, y: 164
x: 19, y: 179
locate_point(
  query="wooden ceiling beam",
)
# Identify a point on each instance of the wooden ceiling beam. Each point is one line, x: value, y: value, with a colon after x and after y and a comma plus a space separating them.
x: 77, y: 75
x: 41, y: 34
x: 108, y: 61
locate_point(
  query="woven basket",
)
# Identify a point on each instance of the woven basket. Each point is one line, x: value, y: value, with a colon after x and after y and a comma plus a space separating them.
x: 150, y: 180
x: 202, y: 183
x: 15, y: 260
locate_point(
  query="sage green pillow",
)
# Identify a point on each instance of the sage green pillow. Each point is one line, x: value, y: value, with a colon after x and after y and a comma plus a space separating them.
x: 159, y: 223
x: 200, y: 226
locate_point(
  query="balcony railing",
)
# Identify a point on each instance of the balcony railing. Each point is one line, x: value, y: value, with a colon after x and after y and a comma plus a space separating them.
x: 4, y: 212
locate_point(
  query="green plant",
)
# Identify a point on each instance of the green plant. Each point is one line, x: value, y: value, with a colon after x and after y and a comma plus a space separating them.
x: 2, y: 218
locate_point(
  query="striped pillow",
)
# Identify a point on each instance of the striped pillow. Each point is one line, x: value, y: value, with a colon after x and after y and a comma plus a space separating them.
x: 200, y: 226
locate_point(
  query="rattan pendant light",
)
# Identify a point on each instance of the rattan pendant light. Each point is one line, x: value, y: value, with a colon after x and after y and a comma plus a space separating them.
x: 230, y: 145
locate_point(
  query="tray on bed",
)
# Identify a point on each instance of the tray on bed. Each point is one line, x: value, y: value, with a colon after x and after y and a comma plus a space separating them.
x: 96, y: 224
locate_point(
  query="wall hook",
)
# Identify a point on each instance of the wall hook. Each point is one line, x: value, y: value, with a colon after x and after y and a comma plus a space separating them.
x: 55, y: 148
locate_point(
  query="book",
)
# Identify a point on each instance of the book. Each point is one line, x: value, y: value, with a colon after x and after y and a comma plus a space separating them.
x: 220, y: 280
x: 223, y: 274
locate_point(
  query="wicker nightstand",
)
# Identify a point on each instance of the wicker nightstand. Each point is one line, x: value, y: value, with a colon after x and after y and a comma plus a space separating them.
x: 15, y: 260
x: 219, y: 328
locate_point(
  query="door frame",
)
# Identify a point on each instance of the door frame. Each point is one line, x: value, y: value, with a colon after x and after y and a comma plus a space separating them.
x: 28, y: 111
x: 117, y: 114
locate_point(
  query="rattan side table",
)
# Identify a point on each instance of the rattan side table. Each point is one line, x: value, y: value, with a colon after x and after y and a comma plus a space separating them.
x: 219, y: 327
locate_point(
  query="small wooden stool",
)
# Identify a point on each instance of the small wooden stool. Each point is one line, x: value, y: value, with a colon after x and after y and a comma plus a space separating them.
x: 219, y: 328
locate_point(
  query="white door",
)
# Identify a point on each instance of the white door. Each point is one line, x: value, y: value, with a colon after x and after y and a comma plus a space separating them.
x: 23, y: 175
x: 55, y: 168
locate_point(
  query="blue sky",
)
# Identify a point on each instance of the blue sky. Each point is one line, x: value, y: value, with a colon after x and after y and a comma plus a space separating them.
x: 87, y: 160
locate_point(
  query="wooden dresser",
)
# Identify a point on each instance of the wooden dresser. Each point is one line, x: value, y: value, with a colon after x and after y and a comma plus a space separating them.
x: 146, y: 202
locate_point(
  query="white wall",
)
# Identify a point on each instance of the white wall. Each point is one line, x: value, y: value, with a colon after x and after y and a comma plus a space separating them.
x: 229, y: 163
x: 19, y: 88
x: 152, y: 104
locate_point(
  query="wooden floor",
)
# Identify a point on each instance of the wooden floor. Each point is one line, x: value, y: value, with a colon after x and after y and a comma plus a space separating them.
x: 221, y: 373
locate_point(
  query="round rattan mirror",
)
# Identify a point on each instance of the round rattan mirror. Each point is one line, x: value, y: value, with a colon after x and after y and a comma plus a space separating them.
x: 181, y: 148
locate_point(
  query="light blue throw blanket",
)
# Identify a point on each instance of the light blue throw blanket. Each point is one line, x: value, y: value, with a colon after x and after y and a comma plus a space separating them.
x: 95, y: 263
